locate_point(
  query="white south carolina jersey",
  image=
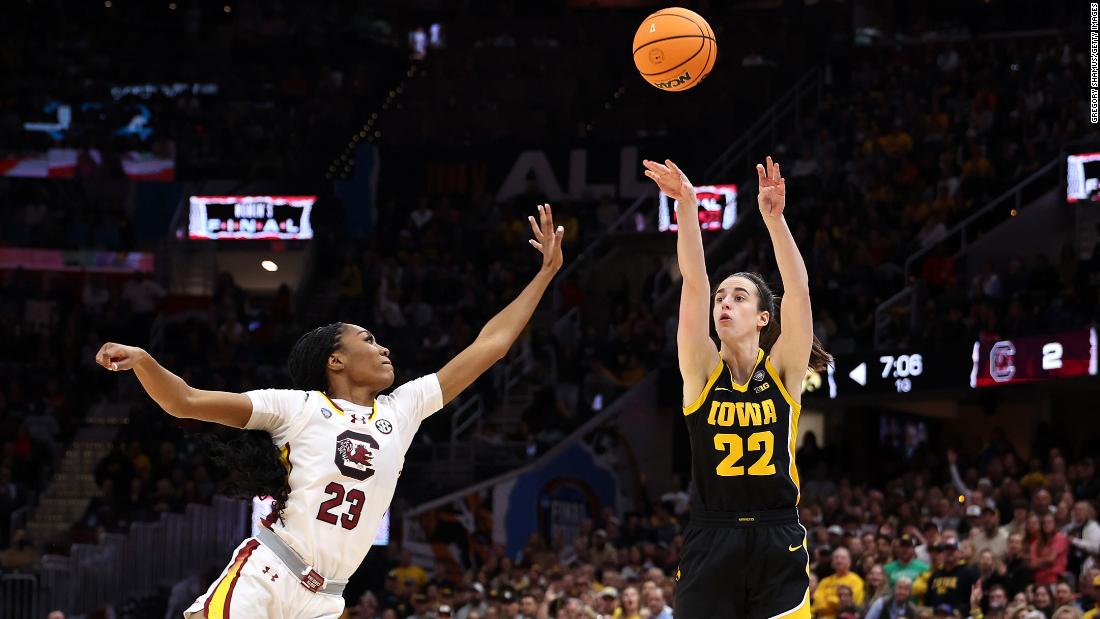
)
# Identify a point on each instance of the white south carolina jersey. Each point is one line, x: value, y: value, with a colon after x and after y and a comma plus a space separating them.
x: 343, y: 461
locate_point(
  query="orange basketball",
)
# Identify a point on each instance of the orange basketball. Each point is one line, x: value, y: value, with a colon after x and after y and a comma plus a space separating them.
x: 674, y: 49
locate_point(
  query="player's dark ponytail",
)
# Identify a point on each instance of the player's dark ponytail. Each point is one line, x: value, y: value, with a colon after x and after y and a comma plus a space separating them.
x: 768, y: 301
x: 252, y: 463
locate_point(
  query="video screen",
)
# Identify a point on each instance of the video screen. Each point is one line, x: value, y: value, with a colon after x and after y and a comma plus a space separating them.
x: 251, y: 217
x: 1083, y: 178
x: 717, y: 208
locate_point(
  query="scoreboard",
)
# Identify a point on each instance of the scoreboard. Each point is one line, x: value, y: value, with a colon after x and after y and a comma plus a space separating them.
x: 1034, y: 358
x: 980, y: 365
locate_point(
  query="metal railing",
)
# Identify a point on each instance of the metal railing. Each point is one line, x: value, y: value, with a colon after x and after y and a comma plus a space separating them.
x: 960, y: 237
x: 468, y: 414
x: 151, y: 555
x: 19, y: 597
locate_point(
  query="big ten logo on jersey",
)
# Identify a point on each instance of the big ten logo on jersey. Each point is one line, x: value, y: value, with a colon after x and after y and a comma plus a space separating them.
x: 734, y: 446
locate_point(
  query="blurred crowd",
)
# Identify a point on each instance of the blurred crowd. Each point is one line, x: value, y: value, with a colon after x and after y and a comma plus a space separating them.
x: 53, y: 323
x: 240, y: 70
x: 991, y: 535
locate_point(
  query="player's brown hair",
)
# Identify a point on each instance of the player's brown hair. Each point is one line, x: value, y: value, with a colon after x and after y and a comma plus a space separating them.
x: 768, y: 301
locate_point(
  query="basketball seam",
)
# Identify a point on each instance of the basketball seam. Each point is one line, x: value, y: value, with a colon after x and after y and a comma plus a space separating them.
x: 689, y: 59
x: 713, y: 47
x: 676, y: 36
x: 691, y: 21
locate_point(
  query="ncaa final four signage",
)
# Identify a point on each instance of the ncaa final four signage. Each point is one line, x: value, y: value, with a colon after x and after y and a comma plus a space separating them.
x: 251, y: 217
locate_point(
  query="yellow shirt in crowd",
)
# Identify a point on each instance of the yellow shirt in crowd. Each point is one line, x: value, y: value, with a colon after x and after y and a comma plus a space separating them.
x: 826, y: 598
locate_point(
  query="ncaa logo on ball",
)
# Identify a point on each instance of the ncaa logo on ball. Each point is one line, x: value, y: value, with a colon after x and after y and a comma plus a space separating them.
x: 674, y: 82
x: 656, y: 56
x: 383, y: 426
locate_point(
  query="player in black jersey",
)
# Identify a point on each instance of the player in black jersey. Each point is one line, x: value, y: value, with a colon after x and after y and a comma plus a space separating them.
x: 744, y: 554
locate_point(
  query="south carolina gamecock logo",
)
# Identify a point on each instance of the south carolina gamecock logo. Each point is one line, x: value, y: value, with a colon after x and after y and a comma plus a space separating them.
x: 1002, y: 361
x: 354, y: 452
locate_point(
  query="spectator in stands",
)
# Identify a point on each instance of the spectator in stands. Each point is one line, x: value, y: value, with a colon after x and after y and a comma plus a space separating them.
x: 846, y: 607
x: 989, y: 535
x: 905, y: 565
x: 1049, y: 552
x: 21, y: 555
x: 655, y: 604
x: 950, y: 584
x: 1042, y: 599
x: 897, y: 606
x: 1083, y: 534
x: 408, y: 572
x: 827, y: 598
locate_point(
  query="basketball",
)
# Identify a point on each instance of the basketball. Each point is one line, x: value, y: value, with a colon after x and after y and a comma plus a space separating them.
x: 674, y: 49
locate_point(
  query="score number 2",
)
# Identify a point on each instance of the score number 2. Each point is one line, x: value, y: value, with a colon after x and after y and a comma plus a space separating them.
x: 1052, y: 356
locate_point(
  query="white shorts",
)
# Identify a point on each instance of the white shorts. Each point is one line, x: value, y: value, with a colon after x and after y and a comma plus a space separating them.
x: 257, y: 584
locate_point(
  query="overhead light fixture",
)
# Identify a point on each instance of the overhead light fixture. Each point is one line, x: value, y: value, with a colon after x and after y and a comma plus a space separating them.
x: 269, y: 266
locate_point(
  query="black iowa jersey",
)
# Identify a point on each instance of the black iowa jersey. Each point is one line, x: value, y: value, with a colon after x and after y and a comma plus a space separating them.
x: 742, y: 442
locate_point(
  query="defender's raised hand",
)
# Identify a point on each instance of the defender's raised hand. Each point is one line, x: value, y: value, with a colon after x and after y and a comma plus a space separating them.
x: 671, y: 180
x: 772, y: 198
x: 547, y: 238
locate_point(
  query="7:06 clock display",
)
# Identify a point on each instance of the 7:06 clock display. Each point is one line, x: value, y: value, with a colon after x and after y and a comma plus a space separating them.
x: 901, y: 368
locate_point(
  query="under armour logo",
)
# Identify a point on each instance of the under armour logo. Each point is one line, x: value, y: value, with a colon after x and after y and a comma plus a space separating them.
x: 358, y: 418
x: 267, y: 568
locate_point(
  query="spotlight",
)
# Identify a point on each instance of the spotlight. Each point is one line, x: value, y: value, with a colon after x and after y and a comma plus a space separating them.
x: 269, y: 266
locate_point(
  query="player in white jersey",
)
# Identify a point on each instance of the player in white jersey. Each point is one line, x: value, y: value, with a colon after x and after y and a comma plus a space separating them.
x: 342, y: 445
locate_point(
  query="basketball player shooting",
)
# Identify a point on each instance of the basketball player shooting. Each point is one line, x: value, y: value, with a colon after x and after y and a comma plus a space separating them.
x: 744, y: 554
x: 342, y: 445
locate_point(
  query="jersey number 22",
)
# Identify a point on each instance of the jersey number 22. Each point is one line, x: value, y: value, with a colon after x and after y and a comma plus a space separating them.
x: 734, y: 444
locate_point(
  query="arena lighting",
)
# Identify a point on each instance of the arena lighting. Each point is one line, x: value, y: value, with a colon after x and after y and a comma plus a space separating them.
x: 269, y: 266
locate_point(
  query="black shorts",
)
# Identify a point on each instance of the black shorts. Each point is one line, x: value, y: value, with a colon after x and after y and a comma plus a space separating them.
x: 732, y: 567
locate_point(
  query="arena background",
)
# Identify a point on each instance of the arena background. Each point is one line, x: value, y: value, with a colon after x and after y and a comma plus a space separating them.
x: 210, y: 179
